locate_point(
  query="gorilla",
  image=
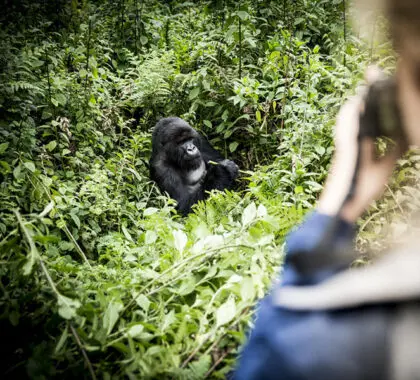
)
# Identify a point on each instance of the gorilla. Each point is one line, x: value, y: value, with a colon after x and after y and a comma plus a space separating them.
x: 185, y: 165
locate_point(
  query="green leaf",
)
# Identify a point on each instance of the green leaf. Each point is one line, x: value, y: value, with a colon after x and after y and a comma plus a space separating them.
x: 126, y: 233
x: 36, y: 63
x: 135, y: 331
x: 67, y: 307
x: 61, y: 99
x: 61, y: 341
x: 233, y: 146
x: 187, y: 286
x: 249, y: 214
x: 247, y: 289
x: 47, y: 181
x: 298, y: 190
x: 143, y: 302
x: 258, y: 116
x: 261, y: 211
x: 30, y: 166
x: 143, y: 40
x: 4, y: 167
x: 150, y: 237
x: 243, y: 15
x: 168, y: 320
x: 51, y: 145
x: 76, y: 219
x: 46, y: 210
x: 207, y: 123
x: 180, y: 240
x: 111, y: 316
x: 299, y: 20
x: 194, y: 93
x: 225, y: 313
x: 320, y: 150
x: 3, y: 147
x: 150, y: 211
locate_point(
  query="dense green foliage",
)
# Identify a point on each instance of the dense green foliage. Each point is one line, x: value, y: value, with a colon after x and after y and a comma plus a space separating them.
x: 99, y: 276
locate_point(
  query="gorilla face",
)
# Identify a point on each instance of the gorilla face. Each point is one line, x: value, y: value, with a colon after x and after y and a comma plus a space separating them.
x: 182, y: 146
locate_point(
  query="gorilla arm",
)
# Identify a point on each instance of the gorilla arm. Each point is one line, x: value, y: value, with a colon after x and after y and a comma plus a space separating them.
x: 220, y: 175
x: 221, y: 172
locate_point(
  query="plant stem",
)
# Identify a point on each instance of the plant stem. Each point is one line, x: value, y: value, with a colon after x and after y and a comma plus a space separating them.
x: 85, y: 356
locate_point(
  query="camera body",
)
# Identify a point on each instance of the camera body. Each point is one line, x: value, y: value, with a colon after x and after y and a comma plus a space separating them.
x: 381, y: 116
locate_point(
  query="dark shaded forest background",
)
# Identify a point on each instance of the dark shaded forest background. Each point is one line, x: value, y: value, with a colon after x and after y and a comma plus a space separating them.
x: 99, y: 276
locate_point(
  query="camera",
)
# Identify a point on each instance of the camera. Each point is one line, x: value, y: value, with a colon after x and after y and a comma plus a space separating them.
x: 381, y: 116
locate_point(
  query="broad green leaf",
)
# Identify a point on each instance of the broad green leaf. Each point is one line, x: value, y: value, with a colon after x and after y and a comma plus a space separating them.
x: 30, y: 166
x: 180, y: 240
x: 51, y: 145
x: 143, y: 302
x: 150, y: 237
x: 4, y: 167
x: 225, y: 313
x: 111, y: 316
x: 3, y: 147
x: 243, y: 15
x: 249, y: 214
x: 298, y: 190
x: 150, y: 211
x: 168, y: 319
x: 135, y: 331
x: 47, y: 181
x: 320, y: 150
x: 235, y: 279
x: 187, y: 286
x: 17, y: 172
x: 261, y: 211
x: 61, y: 99
x: 36, y: 63
x: 233, y: 146
x: 76, y: 219
x: 67, y: 307
x: 247, y: 289
x: 194, y: 93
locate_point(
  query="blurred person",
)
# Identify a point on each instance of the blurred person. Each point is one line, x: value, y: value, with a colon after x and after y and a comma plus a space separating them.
x: 322, y: 320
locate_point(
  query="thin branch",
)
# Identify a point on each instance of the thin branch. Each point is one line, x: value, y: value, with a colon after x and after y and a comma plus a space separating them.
x: 218, y: 361
x: 345, y: 31
x: 85, y: 356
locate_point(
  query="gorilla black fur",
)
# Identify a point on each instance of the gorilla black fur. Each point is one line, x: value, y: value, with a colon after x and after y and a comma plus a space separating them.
x: 180, y: 163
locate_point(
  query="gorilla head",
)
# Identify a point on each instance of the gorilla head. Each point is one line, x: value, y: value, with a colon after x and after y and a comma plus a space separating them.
x: 179, y: 141
x: 180, y: 163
